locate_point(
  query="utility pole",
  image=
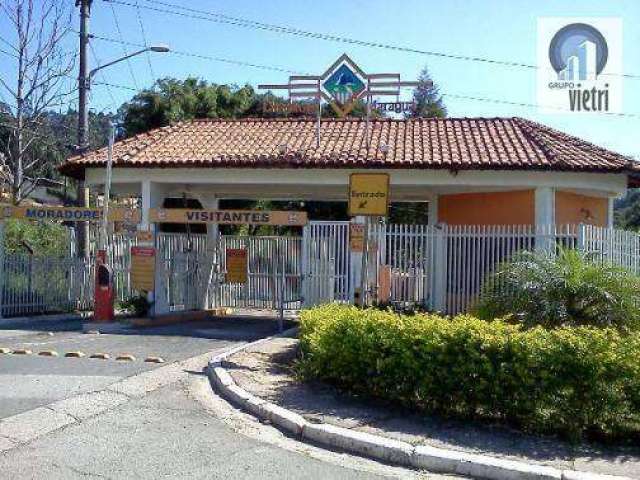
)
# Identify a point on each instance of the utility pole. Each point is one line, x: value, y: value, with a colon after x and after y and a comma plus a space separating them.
x: 83, y: 121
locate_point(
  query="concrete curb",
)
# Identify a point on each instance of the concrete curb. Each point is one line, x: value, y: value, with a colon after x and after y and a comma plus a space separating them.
x: 43, y: 318
x: 425, y: 457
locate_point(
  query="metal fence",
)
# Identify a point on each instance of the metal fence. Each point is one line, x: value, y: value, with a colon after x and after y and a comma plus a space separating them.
x: 442, y: 267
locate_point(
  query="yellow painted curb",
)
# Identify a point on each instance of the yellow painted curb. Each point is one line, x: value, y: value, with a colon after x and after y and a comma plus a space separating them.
x: 5, y: 351
x: 74, y: 354
x: 126, y: 356
x: 22, y: 351
x: 154, y: 360
x: 100, y: 356
x: 48, y: 353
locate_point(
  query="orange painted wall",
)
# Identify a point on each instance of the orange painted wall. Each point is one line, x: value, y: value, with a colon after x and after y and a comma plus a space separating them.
x: 488, y: 208
x: 572, y: 208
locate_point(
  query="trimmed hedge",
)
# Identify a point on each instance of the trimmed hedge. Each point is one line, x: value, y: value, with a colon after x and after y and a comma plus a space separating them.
x: 574, y: 381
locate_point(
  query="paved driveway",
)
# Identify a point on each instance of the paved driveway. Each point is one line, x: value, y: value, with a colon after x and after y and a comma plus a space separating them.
x: 29, y: 381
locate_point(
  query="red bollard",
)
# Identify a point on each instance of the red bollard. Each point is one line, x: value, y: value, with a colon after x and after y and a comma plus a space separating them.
x: 104, y: 292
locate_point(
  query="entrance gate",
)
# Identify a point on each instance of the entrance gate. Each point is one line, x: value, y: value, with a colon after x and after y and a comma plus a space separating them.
x: 291, y: 272
x: 193, y: 272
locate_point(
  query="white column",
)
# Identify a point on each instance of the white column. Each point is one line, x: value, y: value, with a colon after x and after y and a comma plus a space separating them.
x: 211, y: 202
x: 433, y: 210
x: 355, y: 269
x: 440, y: 256
x: 545, y: 218
x: 610, y: 216
x: 152, y: 197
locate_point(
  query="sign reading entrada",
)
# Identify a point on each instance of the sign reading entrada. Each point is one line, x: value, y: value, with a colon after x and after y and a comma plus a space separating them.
x: 579, y: 65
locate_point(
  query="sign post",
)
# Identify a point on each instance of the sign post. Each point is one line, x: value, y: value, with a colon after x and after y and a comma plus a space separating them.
x: 368, y: 197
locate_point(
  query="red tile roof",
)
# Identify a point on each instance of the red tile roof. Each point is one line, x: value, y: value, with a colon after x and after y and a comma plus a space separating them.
x: 429, y: 143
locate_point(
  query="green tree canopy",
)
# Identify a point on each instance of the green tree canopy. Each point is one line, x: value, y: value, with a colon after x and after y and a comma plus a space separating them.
x: 171, y: 100
x: 427, y: 98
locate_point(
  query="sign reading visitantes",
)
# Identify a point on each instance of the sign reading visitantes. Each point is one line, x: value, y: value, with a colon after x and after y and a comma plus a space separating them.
x: 228, y: 217
x: 368, y: 194
x: 236, y: 265
x: 143, y: 268
x: 69, y: 214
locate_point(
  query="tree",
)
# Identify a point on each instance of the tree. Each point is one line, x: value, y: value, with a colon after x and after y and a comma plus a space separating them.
x: 40, y: 71
x: 627, y: 210
x: 427, y: 98
x: 171, y: 100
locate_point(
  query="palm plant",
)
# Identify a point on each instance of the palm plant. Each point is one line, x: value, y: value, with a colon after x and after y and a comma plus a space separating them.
x: 568, y: 289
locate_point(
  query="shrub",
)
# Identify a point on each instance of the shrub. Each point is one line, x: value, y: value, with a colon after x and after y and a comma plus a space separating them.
x: 566, y: 290
x: 137, y: 305
x: 569, y: 380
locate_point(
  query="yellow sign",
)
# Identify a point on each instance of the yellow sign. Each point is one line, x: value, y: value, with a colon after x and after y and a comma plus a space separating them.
x: 368, y: 194
x: 144, y: 236
x: 227, y: 217
x: 143, y: 268
x: 356, y: 237
x: 236, y: 265
x: 68, y: 214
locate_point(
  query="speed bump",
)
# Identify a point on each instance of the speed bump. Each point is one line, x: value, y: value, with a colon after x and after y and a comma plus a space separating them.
x: 74, y: 354
x: 48, y: 353
x: 22, y: 351
x: 126, y: 357
x: 100, y: 356
x: 154, y: 360
x: 5, y: 351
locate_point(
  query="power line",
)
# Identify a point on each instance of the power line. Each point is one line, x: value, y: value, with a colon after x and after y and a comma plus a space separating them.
x: 532, y: 105
x: 124, y: 50
x: 280, y: 69
x: 204, y: 57
x: 146, y: 44
x: 247, y: 23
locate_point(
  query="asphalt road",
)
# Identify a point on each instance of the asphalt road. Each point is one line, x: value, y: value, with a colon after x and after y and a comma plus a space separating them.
x: 181, y: 430
x: 29, y: 381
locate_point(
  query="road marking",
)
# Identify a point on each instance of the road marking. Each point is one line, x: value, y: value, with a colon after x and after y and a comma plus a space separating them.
x: 126, y: 357
x: 48, y: 353
x: 74, y: 354
x: 100, y: 356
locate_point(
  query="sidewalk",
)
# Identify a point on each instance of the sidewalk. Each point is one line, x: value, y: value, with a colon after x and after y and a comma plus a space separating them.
x: 265, y: 370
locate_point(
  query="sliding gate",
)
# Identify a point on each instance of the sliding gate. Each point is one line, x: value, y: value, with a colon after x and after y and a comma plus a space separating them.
x: 193, y: 272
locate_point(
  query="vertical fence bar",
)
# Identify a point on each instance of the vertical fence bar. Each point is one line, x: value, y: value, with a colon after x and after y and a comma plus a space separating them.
x: 2, y: 268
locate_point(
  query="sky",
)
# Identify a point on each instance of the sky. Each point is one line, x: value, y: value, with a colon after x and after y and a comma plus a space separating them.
x: 493, y: 29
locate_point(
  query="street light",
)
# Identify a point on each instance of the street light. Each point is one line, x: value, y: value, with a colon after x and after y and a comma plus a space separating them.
x: 160, y: 48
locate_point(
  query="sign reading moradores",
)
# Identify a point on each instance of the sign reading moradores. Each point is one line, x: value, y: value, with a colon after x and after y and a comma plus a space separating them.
x: 368, y: 194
